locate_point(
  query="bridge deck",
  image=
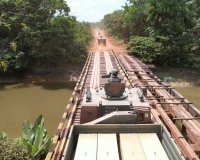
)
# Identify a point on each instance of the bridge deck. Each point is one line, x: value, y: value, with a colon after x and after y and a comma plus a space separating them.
x: 168, y: 106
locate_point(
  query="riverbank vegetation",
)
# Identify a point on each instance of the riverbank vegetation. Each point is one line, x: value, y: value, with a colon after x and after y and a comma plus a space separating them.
x: 37, y: 34
x: 165, y: 33
x: 12, y: 149
x: 34, y: 143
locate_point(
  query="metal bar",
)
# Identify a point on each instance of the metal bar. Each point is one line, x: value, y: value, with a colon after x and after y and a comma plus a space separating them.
x: 174, y: 103
x: 154, y: 87
x: 162, y: 98
x: 193, y: 118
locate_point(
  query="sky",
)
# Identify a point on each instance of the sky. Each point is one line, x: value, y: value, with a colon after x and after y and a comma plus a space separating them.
x: 93, y: 10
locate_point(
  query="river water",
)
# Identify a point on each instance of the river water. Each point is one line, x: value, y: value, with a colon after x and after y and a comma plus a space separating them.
x: 191, y: 93
x: 25, y: 101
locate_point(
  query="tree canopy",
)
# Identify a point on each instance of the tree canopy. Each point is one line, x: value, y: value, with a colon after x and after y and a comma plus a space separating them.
x: 35, y: 33
x: 171, y: 25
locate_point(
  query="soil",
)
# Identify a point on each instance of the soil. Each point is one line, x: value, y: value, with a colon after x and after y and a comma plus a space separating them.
x: 56, y: 75
x: 180, y: 77
x: 111, y: 44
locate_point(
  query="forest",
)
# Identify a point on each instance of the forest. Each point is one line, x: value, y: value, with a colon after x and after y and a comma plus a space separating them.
x: 165, y: 33
x: 40, y: 34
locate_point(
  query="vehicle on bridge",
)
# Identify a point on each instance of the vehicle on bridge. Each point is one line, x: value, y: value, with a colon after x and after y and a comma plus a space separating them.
x: 120, y: 110
x: 115, y: 121
x: 101, y: 41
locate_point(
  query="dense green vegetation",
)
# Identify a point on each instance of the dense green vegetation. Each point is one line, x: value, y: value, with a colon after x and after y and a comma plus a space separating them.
x: 40, y: 34
x: 11, y: 149
x: 142, y: 46
x: 34, y: 143
x: 163, y: 32
x: 36, y: 139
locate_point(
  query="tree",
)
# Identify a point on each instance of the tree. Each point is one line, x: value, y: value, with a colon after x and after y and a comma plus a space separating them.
x: 166, y: 19
x: 38, y: 33
x: 128, y: 22
x: 174, y: 23
x: 145, y: 48
x: 115, y: 24
x: 135, y: 17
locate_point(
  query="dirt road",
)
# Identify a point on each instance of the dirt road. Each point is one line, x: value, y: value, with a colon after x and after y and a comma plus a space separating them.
x: 111, y: 44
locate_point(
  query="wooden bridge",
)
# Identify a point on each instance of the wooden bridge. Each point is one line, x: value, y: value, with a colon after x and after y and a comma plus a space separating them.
x: 168, y: 107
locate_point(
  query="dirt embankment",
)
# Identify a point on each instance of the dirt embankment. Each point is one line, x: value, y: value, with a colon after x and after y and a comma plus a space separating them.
x: 178, y: 77
x: 56, y: 75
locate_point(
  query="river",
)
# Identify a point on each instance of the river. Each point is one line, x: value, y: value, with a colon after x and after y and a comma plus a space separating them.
x: 25, y: 101
x: 192, y: 93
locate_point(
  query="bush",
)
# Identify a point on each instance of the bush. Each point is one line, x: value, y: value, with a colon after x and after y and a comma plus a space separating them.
x: 12, y: 150
x: 34, y: 143
x: 36, y: 139
x: 145, y: 48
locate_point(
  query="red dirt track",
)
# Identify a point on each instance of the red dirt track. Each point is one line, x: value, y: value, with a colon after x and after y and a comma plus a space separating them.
x: 111, y: 44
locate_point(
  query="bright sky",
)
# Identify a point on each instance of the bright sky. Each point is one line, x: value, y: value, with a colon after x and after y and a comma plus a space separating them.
x: 93, y: 10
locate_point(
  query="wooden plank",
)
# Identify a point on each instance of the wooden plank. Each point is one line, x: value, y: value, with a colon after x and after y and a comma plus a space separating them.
x: 86, y: 147
x: 107, y: 147
x: 152, y: 146
x: 131, y: 147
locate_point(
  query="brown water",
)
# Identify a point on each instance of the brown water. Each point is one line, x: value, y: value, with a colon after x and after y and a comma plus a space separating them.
x: 19, y: 102
x: 25, y: 101
x: 191, y: 93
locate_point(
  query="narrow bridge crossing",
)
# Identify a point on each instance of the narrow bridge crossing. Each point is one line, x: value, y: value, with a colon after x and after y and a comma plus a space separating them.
x: 168, y: 107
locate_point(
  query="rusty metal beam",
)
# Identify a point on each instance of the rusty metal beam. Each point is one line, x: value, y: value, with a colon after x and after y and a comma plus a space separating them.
x: 193, y: 118
x: 174, y: 103
x: 162, y: 91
